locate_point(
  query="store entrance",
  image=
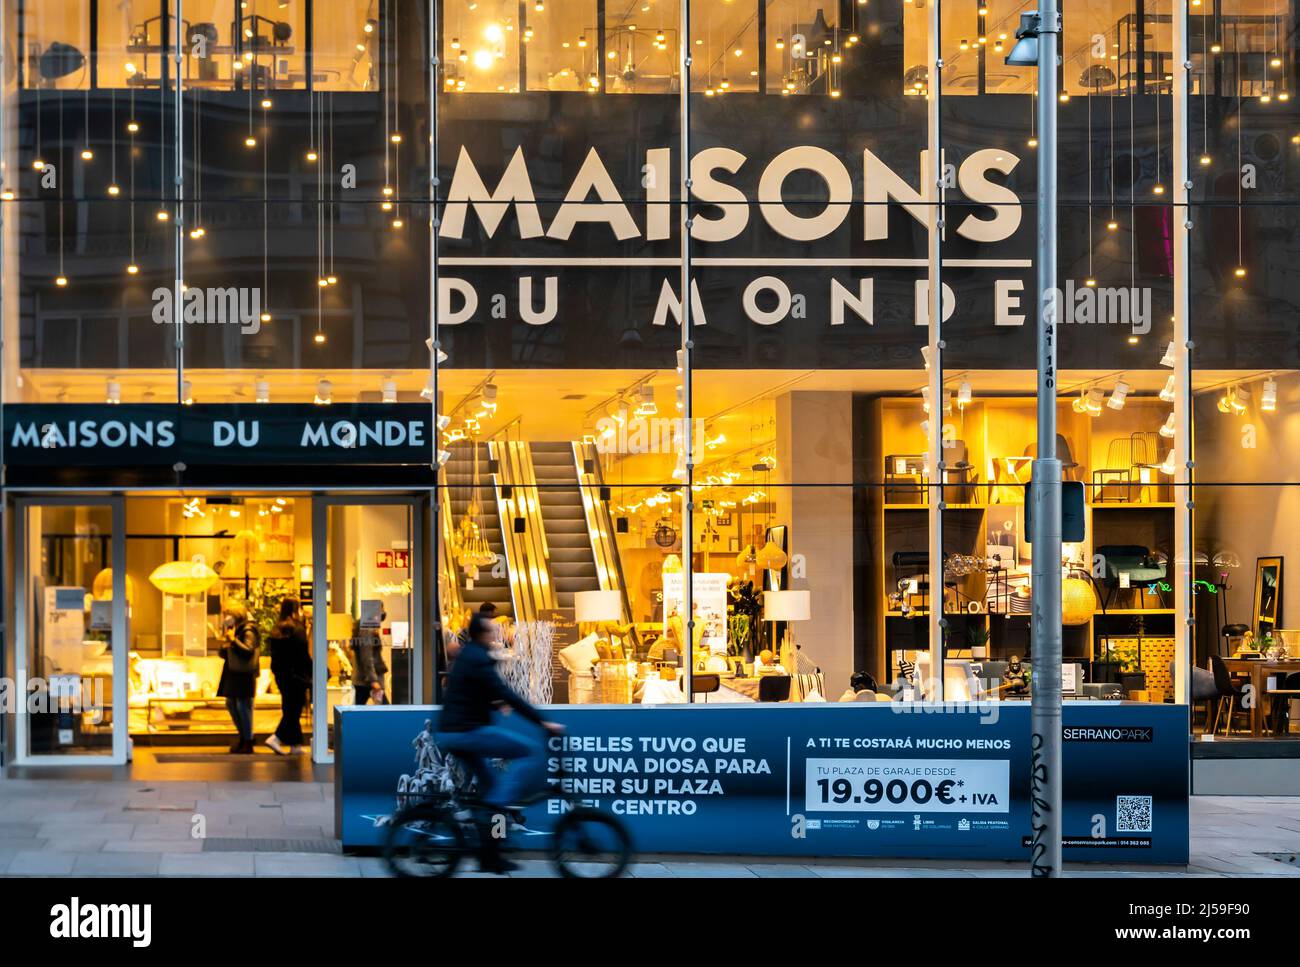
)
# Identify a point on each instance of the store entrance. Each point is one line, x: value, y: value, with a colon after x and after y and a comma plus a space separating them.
x: 135, y: 598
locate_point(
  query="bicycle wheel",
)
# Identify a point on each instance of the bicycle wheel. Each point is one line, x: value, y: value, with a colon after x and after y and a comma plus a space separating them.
x: 423, y: 841
x: 591, y: 844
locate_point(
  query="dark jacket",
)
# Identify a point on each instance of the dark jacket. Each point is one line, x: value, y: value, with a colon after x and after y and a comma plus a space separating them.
x: 368, y: 663
x: 474, y: 689
x: 242, y: 650
x: 290, y: 655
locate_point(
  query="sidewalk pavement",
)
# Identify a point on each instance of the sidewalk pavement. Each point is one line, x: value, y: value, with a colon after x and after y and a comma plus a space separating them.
x: 114, y: 827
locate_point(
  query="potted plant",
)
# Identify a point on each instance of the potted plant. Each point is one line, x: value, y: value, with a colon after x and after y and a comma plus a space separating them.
x: 1110, y: 664
x: 977, y: 636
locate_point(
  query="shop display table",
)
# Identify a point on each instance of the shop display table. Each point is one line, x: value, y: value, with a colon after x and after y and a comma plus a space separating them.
x: 1260, y: 671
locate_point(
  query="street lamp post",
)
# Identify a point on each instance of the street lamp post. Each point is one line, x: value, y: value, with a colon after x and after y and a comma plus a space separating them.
x: 1038, y: 41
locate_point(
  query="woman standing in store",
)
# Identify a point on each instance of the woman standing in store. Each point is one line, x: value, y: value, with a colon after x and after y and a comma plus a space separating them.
x: 241, y: 650
x: 291, y: 666
x: 368, y: 665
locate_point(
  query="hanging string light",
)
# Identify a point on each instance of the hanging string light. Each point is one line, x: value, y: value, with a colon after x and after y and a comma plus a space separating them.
x: 1090, y: 281
x: 131, y: 129
x: 1240, y: 270
x: 113, y: 189
x: 1159, y: 187
x: 1205, y: 95
x: 61, y: 279
x: 1112, y: 225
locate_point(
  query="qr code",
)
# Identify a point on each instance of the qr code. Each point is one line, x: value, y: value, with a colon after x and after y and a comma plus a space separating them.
x: 1132, y: 814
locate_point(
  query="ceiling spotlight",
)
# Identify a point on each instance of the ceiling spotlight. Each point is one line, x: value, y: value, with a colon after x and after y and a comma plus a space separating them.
x: 266, y: 104
x: 1118, y: 395
x: 647, y: 405
x: 114, y: 190
x: 387, y: 191
x: 87, y: 154
x: 113, y: 392
x: 38, y: 164
x: 490, y: 397
x: 1216, y: 48
x: 1158, y: 190
x: 963, y: 394
x: 261, y: 391
x: 324, y: 392
x: 1268, y: 397
x: 1275, y: 62
x: 398, y: 223
x: 1168, y: 358
x: 1112, y: 226
x: 322, y: 282
x: 132, y: 127
x: 1205, y: 159
x: 1090, y: 282
x: 60, y: 280
x: 319, y: 339
x: 1032, y: 142
x: 1167, y: 429
x: 265, y: 317
x: 332, y: 279
x: 1239, y: 272
x: 133, y: 269
x: 187, y: 393
x: 1168, y: 393
x: 163, y: 215
x: 311, y: 156
x: 388, y: 390
x: 1064, y: 97
x: 6, y: 195
x: 250, y: 142
x: 395, y: 138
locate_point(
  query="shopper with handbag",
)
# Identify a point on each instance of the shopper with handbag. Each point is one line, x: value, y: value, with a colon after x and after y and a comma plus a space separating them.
x: 241, y: 651
x: 291, y: 666
x: 369, y: 667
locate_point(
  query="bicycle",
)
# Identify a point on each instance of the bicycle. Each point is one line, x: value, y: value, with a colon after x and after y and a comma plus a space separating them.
x: 434, y: 832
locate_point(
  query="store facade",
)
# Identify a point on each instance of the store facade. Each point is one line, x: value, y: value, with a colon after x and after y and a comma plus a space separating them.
x: 220, y: 271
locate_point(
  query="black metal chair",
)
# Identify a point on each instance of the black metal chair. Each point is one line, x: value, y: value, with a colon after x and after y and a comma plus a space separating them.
x: 1279, y: 707
x: 774, y: 688
x: 1229, y: 691
x: 705, y: 684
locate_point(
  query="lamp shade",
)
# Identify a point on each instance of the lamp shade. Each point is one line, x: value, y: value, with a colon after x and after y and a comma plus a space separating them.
x: 1078, y: 601
x: 787, y: 605
x: 183, y: 577
x: 770, y: 557
x: 594, y: 606
x: 338, y: 626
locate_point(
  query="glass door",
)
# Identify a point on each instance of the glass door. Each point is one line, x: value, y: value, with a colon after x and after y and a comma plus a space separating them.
x: 366, y: 601
x: 72, y: 615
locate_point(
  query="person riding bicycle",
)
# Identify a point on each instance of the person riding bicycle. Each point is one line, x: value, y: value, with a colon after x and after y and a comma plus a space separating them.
x: 465, y: 729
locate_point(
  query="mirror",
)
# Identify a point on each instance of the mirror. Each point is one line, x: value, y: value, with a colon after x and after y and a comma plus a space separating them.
x: 1268, y: 595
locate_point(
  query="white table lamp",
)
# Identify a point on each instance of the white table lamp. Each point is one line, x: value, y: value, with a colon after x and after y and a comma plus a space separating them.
x: 596, y: 606
x: 787, y: 606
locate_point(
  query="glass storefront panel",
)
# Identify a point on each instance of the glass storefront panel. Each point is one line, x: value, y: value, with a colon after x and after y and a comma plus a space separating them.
x: 68, y: 657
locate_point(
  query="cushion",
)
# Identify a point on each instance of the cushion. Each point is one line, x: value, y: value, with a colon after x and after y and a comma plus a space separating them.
x: 578, y: 657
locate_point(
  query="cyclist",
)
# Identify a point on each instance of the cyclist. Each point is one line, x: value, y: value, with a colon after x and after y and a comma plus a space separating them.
x: 474, y: 691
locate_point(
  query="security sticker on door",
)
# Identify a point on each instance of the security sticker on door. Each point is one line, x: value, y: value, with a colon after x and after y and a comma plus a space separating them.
x: 911, y: 785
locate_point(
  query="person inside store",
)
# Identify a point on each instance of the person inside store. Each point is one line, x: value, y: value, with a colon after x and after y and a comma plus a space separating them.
x: 241, y: 650
x: 488, y: 610
x: 861, y: 683
x: 291, y: 666
x: 369, y: 667
x: 475, y: 690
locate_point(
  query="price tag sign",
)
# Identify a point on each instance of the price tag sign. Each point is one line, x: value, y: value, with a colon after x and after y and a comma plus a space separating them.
x: 907, y: 785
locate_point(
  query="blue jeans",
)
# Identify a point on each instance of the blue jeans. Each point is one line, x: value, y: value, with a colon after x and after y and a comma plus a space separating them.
x: 241, y: 713
x: 525, y: 775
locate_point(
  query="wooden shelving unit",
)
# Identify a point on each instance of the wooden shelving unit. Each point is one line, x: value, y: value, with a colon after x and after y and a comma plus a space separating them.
x: 996, y: 436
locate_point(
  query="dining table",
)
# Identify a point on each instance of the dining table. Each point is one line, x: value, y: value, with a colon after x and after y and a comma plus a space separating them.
x: 1259, y: 671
